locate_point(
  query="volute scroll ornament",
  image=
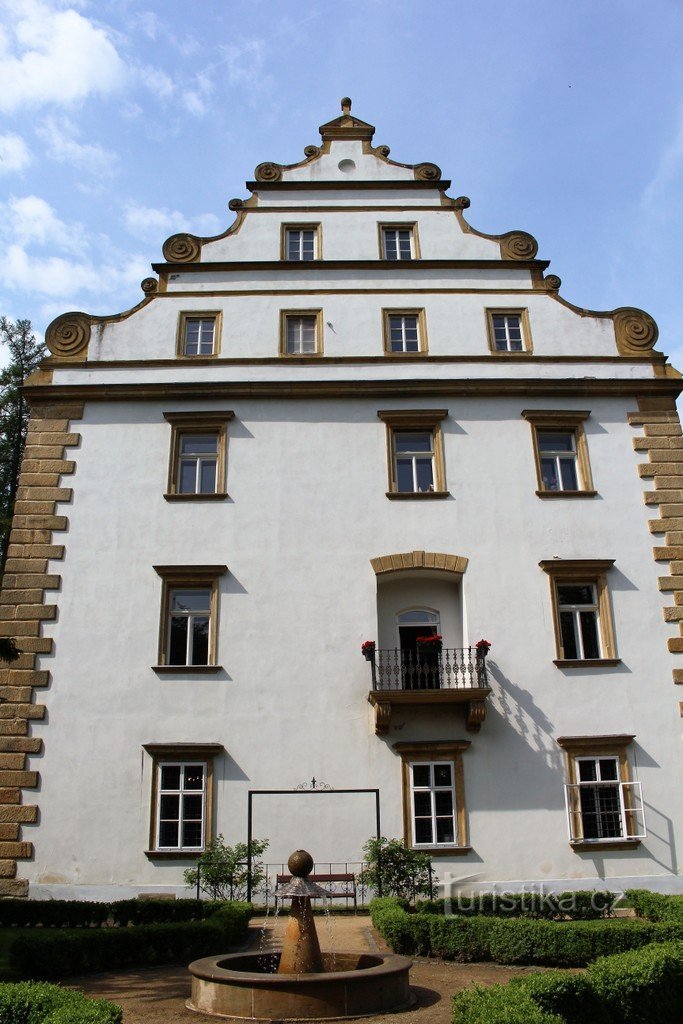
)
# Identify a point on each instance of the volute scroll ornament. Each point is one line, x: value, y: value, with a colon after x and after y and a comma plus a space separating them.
x: 462, y: 203
x: 182, y: 248
x: 311, y: 151
x: 68, y: 336
x: 149, y: 285
x: 427, y: 172
x: 636, y: 332
x: 552, y: 282
x: 518, y: 245
x: 235, y: 204
x: 268, y: 171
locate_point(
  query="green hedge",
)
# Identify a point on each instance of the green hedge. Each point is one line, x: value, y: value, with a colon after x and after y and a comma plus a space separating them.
x: 87, y: 914
x: 655, y: 906
x: 30, y: 1002
x: 639, y: 987
x: 578, y: 905
x: 55, y: 954
x: 514, y: 940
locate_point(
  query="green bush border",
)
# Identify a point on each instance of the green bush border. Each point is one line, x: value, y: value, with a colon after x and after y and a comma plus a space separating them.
x: 655, y: 906
x: 28, y: 1002
x: 47, y: 953
x: 643, y: 986
x: 513, y: 940
x: 90, y: 914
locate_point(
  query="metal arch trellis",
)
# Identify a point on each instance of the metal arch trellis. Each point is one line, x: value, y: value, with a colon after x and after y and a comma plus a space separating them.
x: 304, y: 789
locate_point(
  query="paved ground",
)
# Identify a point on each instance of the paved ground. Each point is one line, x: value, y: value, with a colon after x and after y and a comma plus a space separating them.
x: 157, y: 996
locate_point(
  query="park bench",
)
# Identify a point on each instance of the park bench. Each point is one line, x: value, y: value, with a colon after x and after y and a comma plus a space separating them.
x: 327, y: 882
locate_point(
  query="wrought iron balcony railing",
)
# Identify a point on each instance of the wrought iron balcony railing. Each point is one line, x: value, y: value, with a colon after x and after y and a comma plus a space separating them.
x: 452, y: 668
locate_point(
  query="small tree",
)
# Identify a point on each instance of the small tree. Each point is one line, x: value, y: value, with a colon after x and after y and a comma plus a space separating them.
x: 25, y: 356
x: 222, y: 870
x: 403, y: 872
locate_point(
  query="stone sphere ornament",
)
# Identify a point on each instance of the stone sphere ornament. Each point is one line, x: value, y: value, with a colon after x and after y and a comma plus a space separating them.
x: 300, y: 863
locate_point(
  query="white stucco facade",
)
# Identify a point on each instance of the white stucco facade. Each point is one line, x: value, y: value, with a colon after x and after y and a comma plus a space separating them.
x: 308, y: 507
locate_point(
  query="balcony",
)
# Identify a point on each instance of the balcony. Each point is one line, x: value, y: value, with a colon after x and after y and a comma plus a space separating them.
x: 428, y: 679
x: 605, y: 814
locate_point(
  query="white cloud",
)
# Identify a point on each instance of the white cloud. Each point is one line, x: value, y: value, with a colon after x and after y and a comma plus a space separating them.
x: 59, y: 57
x: 14, y: 153
x: 31, y: 220
x: 148, y: 222
x: 245, y: 60
x: 669, y: 167
x: 60, y: 137
x: 156, y: 80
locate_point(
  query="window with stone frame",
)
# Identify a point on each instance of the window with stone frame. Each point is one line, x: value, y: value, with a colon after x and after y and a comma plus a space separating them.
x: 404, y: 331
x: 199, y: 334
x: 398, y: 242
x: 415, y: 453
x: 509, y: 331
x: 560, y: 453
x: 301, y: 333
x: 197, y: 462
x: 189, y: 618
x: 434, y: 812
x: 582, y: 613
x: 182, y: 798
x: 301, y: 242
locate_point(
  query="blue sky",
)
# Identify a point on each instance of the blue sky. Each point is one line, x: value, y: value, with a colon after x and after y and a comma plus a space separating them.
x: 123, y: 121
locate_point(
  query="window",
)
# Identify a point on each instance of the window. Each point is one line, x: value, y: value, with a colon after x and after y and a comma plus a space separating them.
x: 198, y: 455
x: 182, y: 785
x: 509, y: 330
x: 604, y: 805
x: 301, y: 242
x: 415, y: 453
x: 301, y: 333
x: 199, y: 334
x: 434, y: 796
x: 398, y: 241
x: 561, y: 453
x: 187, y: 636
x: 404, y: 331
x: 582, y: 616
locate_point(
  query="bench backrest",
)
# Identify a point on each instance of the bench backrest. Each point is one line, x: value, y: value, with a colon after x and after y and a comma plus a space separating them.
x: 282, y: 879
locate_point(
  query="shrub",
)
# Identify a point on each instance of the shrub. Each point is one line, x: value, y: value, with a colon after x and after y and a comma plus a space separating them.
x: 50, y: 954
x: 222, y: 870
x: 642, y: 985
x: 29, y: 1002
x: 403, y: 872
x: 574, y: 905
x: 570, y: 996
x: 84, y: 914
x: 656, y: 906
x: 499, y: 1004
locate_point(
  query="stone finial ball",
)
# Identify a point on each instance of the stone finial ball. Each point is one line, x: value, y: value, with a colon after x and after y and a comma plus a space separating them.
x: 300, y: 863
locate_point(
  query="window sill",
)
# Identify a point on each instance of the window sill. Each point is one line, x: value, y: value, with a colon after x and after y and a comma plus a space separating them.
x: 583, y: 845
x: 417, y: 495
x: 216, y: 496
x: 443, y: 851
x: 566, y: 494
x: 588, y: 663
x: 177, y: 670
x: 173, y: 854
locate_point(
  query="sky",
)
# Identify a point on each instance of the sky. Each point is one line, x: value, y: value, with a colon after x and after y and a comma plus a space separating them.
x: 125, y: 121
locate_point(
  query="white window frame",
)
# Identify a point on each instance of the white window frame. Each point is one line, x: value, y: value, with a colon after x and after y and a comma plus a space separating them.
x: 558, y: 456
x: 395, y: 230
x: 200, y: 459
x: 181, y: 792
x: 203, y: 321
x: 630, y: 801
x: 576, y: 610
x: 414, y: 456
x: 506, y: 317
x: 189, y: 616
x: 433, y: 789
x: 292, y: 325
x: 402, y: 327
x: 301, y: 230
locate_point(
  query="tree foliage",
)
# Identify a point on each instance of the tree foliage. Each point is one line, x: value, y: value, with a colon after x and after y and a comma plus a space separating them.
x: 404, y: 873
x: 25, y: 354
x: 222, y: 869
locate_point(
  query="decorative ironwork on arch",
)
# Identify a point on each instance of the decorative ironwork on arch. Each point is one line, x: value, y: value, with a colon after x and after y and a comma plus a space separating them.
x: 419, y: 560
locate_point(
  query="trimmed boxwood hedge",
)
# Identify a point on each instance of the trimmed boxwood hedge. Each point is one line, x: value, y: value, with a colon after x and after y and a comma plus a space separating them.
x: 45, y: 953
x: 515, y: 940
x: 639, y: 987
x: 29, y: 1002
x: 655, y: 906
x: 85, y: 914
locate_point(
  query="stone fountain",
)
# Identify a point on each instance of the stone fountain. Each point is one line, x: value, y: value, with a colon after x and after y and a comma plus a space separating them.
x: 299, y: 982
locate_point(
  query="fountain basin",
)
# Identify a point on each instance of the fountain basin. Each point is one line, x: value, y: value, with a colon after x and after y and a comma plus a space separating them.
x: 246, y: 986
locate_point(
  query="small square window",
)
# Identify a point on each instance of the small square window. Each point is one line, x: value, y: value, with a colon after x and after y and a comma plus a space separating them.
x: 189, y: 616
x: 198, y: 334
x: 198, y: 455
x: 561, y: 453
x: 404, y: 331
x: 398, y: 242
x: 301, y: 242
x: 415, y: 453
x: 509, y: 331
x: 301, y: 333
x: 581, y: 611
